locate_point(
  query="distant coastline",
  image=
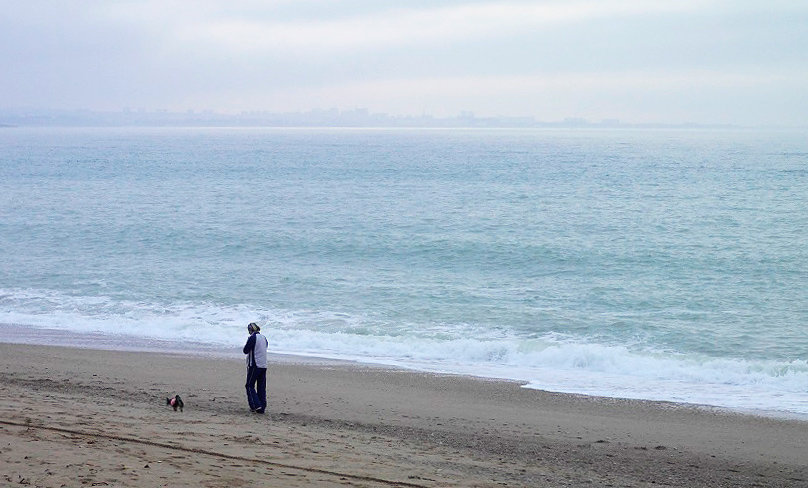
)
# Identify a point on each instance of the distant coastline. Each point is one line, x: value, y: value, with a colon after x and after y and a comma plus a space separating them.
x: 314, y: 118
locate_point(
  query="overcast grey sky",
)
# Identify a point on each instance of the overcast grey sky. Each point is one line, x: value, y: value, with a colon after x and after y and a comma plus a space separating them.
x: 708, y: 61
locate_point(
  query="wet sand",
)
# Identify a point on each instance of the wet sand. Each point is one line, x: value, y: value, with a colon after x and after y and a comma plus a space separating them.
x: 82, y: 417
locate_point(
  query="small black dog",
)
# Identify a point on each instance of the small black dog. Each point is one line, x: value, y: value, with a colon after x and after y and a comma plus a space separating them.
x: 175, y: 402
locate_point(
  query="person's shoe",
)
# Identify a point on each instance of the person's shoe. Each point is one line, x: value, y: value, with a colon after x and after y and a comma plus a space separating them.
x: 260, y: 410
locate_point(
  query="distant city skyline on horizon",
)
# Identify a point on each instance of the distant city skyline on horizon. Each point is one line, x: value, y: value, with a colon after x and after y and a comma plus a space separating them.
x: 331, y: 117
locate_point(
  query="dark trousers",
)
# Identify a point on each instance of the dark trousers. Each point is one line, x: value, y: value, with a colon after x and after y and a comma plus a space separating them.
x: 257, y: 377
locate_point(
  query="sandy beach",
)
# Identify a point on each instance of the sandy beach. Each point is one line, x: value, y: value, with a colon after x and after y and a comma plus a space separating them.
x: 81, y: 417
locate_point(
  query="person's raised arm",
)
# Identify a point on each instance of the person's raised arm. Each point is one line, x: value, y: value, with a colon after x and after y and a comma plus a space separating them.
x: 250, y: 345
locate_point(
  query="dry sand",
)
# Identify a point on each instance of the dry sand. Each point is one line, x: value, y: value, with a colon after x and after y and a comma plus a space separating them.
x: 80, y: 417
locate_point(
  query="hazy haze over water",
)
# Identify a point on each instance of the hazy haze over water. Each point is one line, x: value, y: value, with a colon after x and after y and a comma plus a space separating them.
x: 667, y: 61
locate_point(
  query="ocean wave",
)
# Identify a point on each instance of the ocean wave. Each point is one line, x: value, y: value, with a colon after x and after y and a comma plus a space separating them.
x: 556, y: 362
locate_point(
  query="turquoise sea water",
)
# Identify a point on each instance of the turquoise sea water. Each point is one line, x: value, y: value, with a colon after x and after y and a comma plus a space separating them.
x: 645, y: 264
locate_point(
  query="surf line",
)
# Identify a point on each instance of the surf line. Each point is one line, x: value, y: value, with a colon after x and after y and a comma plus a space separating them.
x: 206, y: 452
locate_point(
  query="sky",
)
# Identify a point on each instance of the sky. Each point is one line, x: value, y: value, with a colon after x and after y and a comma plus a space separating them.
x: 640, y: 61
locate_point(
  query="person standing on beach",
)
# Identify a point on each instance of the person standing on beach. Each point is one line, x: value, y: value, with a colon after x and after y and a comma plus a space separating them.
x: 256, y: 351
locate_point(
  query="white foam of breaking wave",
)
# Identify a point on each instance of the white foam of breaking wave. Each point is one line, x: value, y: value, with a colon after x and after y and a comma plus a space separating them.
x: 553, y: 362
x: 205, y: 323
x: 576, y: 367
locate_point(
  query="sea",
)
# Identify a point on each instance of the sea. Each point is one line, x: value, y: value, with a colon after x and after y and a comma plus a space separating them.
x: 659, y: 264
